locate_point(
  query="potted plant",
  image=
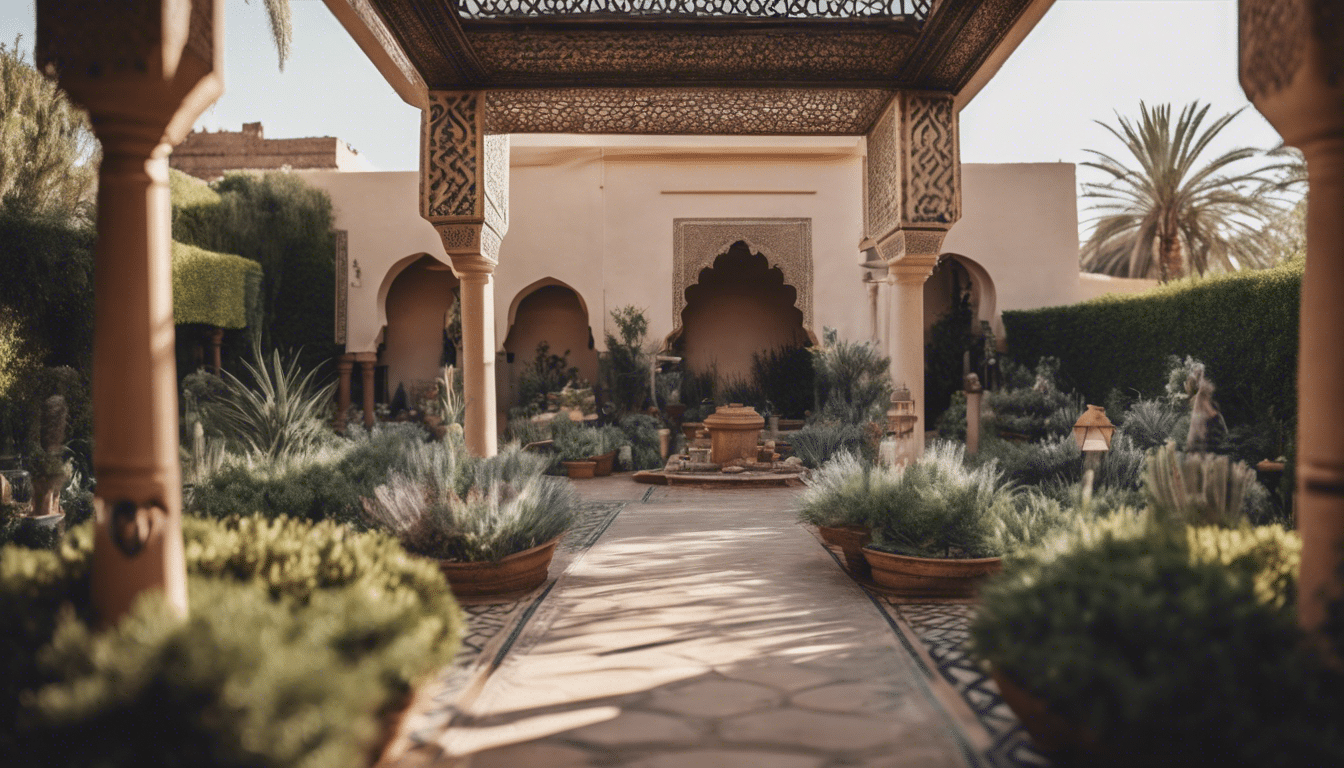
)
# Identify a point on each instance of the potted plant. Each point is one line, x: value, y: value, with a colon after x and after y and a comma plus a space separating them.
x: 578, y: 448
x: 942, y: 526
x: 47, y: 467
x: 610, y: 438
x: 491, y: 523
x: 1128, y: 642
x: 839, y: 500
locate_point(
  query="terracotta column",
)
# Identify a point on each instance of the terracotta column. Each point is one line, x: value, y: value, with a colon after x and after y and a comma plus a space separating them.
x: 464, y: 193
x: 1292, y: 63
x: 478, y: 350
x: 145, y: 74
x: 216, y: 349
x: 367, y: 361
x: 913, y: 197
x: 907, y: 332
x: 345, y: 365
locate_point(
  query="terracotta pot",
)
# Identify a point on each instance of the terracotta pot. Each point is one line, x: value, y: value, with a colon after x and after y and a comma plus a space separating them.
x: 580, y: 470
x: 690, y: 428
x: 518, y: 572
x: 604, y: 463
x: 1051, y: 732
x: 851, y: 540
x: 929, y: 576
x: 675, y: 411
x: 734, y: 432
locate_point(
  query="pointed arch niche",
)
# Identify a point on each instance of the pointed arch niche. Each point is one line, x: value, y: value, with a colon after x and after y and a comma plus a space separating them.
x: 550, y: 311
x: 740, y: 304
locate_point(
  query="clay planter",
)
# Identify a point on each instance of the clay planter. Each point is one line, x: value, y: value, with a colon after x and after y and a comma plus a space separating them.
x: 907, y: 576
x: 851, y: 539
x: 675, y: 411
x: 518, y: 572
x: 33, y: 524
x: 690, y: 428
x: 604, y: 464
x: 580, y: 470
x: 1052, y: 733
x: 734, y: 432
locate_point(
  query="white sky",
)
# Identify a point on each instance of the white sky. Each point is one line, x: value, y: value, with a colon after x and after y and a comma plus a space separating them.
x: 1086, y: 60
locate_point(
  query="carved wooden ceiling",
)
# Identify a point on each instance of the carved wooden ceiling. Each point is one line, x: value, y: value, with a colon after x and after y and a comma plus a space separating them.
x: 668, y: 56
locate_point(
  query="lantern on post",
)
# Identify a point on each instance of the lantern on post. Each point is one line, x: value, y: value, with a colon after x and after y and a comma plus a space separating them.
x: 1093, y: 433
x: 898, y: 447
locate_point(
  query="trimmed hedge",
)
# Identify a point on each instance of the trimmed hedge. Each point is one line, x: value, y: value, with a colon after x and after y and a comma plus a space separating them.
x: 1243, y: 326
x: 217, y: 289
x: 301, y: 638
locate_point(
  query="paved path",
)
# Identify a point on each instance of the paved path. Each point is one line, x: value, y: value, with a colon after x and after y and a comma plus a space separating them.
x: 705, y: 630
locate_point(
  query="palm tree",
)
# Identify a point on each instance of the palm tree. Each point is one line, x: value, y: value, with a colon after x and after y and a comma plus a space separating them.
x: 281, y: 29
x: 1172, y: 215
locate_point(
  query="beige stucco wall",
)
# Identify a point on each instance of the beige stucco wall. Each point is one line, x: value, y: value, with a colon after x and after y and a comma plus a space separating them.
x: 595, y: 213
x: 1093, y: 285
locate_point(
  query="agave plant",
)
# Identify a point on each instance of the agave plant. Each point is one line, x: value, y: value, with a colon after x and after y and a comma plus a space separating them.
x: 1200, y: 488
x: 284, y: 413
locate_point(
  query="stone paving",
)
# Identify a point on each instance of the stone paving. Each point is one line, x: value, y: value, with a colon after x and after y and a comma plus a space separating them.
x: 705, y: 628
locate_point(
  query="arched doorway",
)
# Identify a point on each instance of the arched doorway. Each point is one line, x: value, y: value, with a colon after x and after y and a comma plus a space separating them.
x: 739, y: 306
x: 418, y: 306
x: 959, y: 298
x: 552, y: 313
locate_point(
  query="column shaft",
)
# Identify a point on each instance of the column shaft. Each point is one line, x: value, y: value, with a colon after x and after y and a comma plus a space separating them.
x: 907, y: 334
x: 478, y: 349
x: 1320, y: 440
x: 366, y: 373
x: 138, y: 502
x: 344, y: 367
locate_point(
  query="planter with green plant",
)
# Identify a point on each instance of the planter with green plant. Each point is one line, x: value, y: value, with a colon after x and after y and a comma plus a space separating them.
x: 839, y: 501
x: 579, y: 448
x: 491, y: 523
x: 939, y: 526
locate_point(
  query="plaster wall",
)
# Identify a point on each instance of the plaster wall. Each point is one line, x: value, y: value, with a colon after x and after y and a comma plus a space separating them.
x: 1020, y: 223
x: 1092, y: 285
x: 419, y: 301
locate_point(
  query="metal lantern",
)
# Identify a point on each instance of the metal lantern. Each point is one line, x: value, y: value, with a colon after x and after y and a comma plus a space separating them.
x: 1093, y: 431
x: 901, y: 416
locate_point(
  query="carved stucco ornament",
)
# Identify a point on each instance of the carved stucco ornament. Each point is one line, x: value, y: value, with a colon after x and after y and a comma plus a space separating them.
x: 464, y: 175
x: 785, y: 243
x: 1273, y: 34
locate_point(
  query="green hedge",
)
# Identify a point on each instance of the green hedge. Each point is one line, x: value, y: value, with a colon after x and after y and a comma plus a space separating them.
x: 301, y: 638
x: 217, y: 289
x: 1243, y: 326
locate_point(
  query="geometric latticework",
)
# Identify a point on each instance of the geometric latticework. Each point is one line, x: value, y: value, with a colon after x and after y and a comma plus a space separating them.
x: 756, y: 9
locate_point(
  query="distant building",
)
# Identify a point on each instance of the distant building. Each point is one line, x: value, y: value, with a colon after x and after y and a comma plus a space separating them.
x: 209, y: 155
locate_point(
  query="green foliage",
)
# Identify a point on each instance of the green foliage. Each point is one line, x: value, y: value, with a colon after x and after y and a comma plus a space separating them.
x: 283, y: 413
x: 1150, y: 423
x: 852, y: 382
x: 1243, y: 326
x: 817, y: 443
x: 285, y: 225
x: 575, y: 442
x: 48, y: 155
x: 645, y: 446
x: 299, y: 639
x: 1056, y: 461
x: 1172, y: 646
x: 18, y: 359
x: 451, y: 507
x: 846, y: 490
x: 625, y: 364
x: 47, y: 262
x: 547, y: 374
x: 1201, y: 488
x: 949, y: 339
x: 323, y: 483
x: 786, y: 379
x: 215, y: 288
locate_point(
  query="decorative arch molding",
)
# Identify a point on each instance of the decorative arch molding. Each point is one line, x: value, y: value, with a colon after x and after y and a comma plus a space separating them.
x: 785, y: 244
x: 533, y: 287
x: 393, y: 272
x: 987, y: 295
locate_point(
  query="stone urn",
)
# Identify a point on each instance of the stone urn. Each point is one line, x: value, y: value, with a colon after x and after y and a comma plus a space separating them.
x: 734, y: 431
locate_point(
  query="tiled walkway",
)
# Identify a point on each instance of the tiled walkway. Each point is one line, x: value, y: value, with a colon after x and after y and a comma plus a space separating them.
x: 705, y: 629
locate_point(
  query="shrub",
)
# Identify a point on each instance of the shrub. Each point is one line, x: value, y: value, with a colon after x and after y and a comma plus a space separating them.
x: 1150, y: 423
x: 1172, y: 647
x: 1244, y: 326
x: 547, y: 374
x: 846, y: 490
x: 1057, y: 461
x: 625, y: 365
x: 645, y: 446
x: 300, y: 638
x: 216, y: 289
x: 853, y: 385
x: 485, y: 510
x: 1201, y: 488
x: 817, y: 443
x: 575, y: 442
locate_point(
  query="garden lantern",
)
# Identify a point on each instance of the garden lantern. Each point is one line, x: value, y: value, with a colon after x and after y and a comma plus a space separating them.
x: 899, y: 448
x: 1093, y: 433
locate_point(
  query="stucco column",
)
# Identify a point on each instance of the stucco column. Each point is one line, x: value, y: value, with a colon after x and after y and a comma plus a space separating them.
x: 345, y: 365
x: 874, y: 323
x: 464, y: 193
x: 366, y: 366
x: 906, y: 332
x: 478, y: 350
x: 144, y: 74
x: 1292, y: 69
